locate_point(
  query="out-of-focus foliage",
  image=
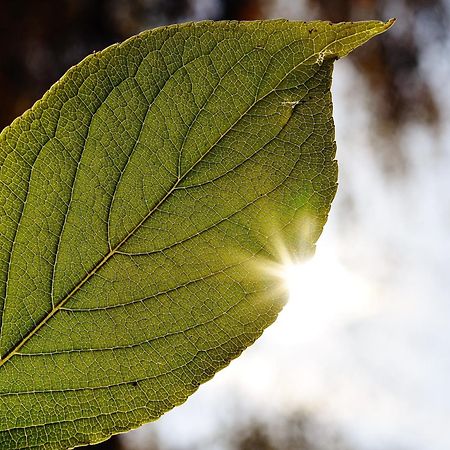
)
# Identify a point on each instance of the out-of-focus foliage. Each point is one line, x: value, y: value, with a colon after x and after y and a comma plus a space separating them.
x: 37, y: 49
x: 297, y: 431
x: 51, y: 46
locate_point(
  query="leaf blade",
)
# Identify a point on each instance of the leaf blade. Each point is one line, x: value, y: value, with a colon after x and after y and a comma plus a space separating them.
x: 152, y: 135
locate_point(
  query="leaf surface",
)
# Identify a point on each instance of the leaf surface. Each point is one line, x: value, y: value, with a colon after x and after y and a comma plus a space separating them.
x: 139, y: 202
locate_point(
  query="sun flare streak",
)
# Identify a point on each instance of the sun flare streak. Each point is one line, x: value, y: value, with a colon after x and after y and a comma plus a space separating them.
x: 323, y: 293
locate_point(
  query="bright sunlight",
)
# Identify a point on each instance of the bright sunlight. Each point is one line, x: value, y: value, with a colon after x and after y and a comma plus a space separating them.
x: 323, y: 294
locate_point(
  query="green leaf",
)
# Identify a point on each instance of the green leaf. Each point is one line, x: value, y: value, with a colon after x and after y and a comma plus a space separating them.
x: 141, y: 202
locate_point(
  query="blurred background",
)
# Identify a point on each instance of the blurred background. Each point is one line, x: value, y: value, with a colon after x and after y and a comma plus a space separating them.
x: 360, y: 357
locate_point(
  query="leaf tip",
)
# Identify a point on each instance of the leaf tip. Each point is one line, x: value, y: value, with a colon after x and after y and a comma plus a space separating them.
x: 389, y: 23
x: 352, y: 35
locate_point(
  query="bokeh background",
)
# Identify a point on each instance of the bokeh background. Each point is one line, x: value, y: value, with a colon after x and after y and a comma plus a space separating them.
x: 360, y: 357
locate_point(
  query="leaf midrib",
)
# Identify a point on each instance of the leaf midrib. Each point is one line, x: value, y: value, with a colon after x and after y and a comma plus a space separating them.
x: 59, y: 305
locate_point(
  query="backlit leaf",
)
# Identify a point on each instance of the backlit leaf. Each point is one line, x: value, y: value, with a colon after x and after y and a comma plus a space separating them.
x: 141, y: 201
